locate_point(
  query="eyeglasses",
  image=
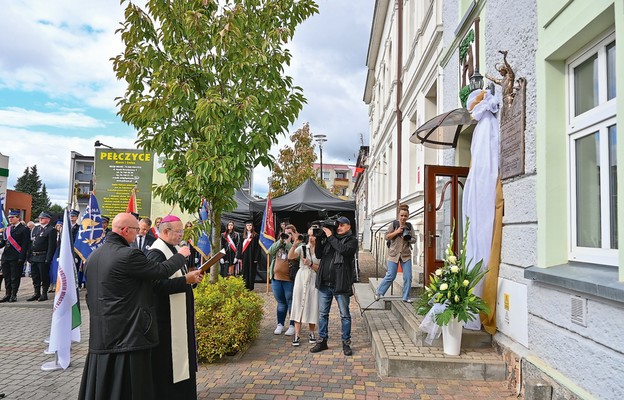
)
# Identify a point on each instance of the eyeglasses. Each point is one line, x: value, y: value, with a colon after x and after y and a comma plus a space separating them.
x: 132, y: 227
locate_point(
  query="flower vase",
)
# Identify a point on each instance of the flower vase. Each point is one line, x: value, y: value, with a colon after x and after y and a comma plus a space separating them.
x: 451, y: 337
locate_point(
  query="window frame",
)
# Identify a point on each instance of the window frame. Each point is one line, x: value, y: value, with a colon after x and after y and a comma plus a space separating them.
x: 595, y: 120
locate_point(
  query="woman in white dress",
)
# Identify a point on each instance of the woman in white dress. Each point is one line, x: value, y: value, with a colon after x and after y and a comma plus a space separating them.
x: 305, y: 306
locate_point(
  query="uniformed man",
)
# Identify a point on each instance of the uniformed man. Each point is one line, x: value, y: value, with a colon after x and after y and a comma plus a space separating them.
x: 43, y: 248
x: 105, y: 222
x: 75, y: 227
x: 14, y: 239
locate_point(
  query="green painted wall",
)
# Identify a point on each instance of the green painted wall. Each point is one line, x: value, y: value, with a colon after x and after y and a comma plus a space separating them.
x: 564, y: 27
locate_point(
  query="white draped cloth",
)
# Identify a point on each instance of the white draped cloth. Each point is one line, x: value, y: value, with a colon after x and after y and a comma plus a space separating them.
x: 480, y: 187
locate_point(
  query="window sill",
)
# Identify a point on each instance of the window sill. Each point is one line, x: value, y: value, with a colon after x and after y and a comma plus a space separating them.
x: 596, y: 280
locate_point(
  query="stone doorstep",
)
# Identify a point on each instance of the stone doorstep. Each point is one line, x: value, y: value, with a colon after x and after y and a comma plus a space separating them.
x: 399, y: 357
x: 410, y: 321
x: 396, y: 289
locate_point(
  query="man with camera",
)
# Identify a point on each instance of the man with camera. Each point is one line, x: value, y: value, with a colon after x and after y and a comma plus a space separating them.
x: 335, y: 277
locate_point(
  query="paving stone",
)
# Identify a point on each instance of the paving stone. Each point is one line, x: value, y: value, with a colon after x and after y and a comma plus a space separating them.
x: 270, y: 369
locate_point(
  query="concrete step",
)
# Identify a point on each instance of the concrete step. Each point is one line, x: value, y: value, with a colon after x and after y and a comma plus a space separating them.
x: 410, y: 321
x: 397, y: 355
x: 366, y: 297
x: 399, y: 344
x: 396, y: 290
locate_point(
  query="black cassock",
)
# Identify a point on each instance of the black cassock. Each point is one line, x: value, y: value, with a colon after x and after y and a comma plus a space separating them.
x: 162, y: 367
x: 250, y: 257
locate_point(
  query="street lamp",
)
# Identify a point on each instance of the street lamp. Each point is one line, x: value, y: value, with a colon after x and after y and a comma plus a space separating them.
x: 98, y: 144
x: 320, y: 139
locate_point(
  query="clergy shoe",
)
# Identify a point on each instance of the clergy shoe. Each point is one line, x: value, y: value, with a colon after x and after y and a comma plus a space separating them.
x: 5, y: 299
x: 13, y: 299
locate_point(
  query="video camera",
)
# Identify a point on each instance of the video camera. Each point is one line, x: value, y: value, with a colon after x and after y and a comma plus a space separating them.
x: 327, y: 222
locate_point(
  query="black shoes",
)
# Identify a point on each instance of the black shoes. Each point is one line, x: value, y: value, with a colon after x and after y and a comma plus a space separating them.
x: 296, y: 341
x: 5, y: 299
x: 13, y: 299
x: 346, y: 348
x: 34, y: 297
x: 319, y: 346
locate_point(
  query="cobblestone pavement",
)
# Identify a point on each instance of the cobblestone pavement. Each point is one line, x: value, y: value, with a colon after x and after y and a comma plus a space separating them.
x: 270, y: 369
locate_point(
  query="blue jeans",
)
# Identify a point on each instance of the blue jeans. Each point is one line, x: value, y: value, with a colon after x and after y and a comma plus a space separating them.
x: 283, y: 290
x: 325, y: 299
x: 391, y: 274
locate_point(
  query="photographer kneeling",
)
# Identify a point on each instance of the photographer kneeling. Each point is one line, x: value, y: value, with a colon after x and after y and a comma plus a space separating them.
x: 335, y: 277
x: 400, y: 236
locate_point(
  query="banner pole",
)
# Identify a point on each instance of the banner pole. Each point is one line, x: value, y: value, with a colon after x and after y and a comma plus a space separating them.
x: 268, y: 269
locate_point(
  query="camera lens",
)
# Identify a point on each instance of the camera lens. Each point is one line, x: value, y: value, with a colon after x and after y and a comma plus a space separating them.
x: 406, y: 235
x: 284, y: 236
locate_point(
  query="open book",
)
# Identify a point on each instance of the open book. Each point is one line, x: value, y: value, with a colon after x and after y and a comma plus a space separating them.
x: 212, y: 260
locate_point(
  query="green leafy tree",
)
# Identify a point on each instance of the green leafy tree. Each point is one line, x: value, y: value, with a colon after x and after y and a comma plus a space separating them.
x: 56, y: 209
x: 206, y: 88
x: 295, y: 164
x: 25, y: 184
x: 41, y: 202
x: 30, y: 183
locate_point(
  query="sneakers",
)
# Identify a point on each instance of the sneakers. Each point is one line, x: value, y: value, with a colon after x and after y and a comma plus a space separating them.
x: 290, y: 331
x: 346, y: 348
x: 279, y: 329
x: 377, y: 296
x: 319, y: 346
x: 296, y: 341
x: 408, y: 301
x: 312, y: 338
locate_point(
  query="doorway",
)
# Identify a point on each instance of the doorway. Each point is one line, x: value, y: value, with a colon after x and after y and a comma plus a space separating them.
x: 444, y: 188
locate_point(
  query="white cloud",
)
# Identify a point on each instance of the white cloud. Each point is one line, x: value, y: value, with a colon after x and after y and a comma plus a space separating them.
x: 64, y: 49
x: 21, y: 118
x: 52, y: 155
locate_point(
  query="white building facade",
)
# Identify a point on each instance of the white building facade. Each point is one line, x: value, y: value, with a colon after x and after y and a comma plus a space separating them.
x: 560, y: 301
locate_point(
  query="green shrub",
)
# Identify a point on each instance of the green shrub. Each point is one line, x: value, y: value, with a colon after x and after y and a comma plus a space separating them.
x: 227, y: 316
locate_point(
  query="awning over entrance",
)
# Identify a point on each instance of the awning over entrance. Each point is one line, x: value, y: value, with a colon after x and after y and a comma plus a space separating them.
x: 443, y: 130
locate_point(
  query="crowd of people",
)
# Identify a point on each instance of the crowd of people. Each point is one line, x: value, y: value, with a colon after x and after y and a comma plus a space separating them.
x: 140, y: 291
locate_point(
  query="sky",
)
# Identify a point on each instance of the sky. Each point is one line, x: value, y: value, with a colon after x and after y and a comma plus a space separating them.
x: 57, y: 85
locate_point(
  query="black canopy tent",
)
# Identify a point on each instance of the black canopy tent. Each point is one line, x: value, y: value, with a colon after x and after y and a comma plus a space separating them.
x: 302, y: 206
x: 240, y: 214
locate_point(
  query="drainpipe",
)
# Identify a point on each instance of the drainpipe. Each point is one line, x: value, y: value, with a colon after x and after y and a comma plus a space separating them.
x: 399, y: 114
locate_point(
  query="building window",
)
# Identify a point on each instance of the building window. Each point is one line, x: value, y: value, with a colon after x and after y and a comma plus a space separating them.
x: 341, y: 175
x: 325, y: 175
x: 592, y: 138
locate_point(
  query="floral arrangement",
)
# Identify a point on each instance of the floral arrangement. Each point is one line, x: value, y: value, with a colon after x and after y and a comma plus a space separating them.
x: 450, y: 288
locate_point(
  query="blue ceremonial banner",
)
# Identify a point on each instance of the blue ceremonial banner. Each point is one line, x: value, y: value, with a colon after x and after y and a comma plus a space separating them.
x: 203, y: 243
x: 3, y: 220
x: 267, y: 231
x: 91, y: 235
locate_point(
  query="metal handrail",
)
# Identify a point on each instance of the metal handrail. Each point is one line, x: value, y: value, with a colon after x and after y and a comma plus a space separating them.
x: 374, y: 235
